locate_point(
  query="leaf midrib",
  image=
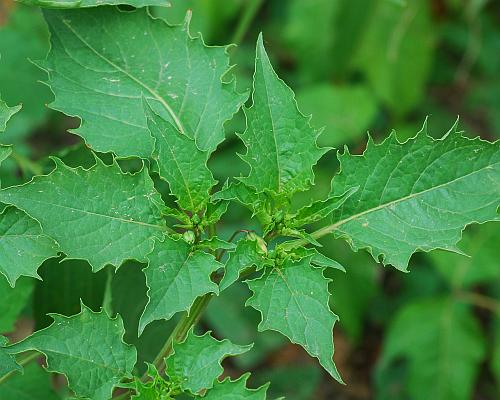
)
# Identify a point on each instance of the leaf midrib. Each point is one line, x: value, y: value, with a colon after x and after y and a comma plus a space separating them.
x: 272, y: 123
x: 164, y: 103
x: 123, y: 220
x: 331, y: 228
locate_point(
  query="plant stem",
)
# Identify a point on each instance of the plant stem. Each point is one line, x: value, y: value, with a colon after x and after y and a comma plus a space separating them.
x: 181, y: 329
x: 481, y: 301
x: 251, y: 9
x: 26, y: 165
x: 108, y: 295
x: 23, y: 362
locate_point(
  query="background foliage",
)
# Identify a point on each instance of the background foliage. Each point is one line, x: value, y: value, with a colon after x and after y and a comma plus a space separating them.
x: 356, y: 66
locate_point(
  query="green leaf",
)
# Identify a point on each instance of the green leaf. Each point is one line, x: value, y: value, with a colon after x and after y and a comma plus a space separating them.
x: 246, y: 255
x: 318, y: 258
x: 481, y: 265
x: 23, y: 245
x: 397, y: 53
x: 236, y: 390
x: 180, y: 163
x: 6, y: 113
x: 215, y: 211
x: 13, y: 302
x: 20, y: 78
x: 87, y: 348
x: 101, y: 215
x: 243, y: 194
x: 281, y: 145
x: 301, y: 234
x: 176, y: 276
x: 411, y: 199
x: 303, y: 23
x: 93, y: 3
x: 177, y: 73
x: 432, y: 335
x: 346, y: 112
x: 214, y: 243
x: 33, y: 384
x: 293, y: 300
x: 156, y: 388
x: 7, y: 361
x: 196, y: 362
x: 4, y: 152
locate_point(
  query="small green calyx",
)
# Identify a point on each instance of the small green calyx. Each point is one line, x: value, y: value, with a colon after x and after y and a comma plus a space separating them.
x: 260, y: 241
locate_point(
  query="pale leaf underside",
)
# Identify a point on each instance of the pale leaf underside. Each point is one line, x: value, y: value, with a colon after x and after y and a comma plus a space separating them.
x: 6, y: 113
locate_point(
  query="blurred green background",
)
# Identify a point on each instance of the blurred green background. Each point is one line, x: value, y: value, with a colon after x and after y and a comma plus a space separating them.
x: 357, y: 66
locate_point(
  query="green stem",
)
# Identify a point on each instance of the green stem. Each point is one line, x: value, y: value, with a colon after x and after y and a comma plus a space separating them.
x: 26, y: 165
x: 479, y: 300
x: 245, y: 21
x: 23, y: 362
x: 181, y: 329
x: 108, y: 295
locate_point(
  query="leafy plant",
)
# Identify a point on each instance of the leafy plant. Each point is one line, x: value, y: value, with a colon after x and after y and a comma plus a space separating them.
x: 148, y: 91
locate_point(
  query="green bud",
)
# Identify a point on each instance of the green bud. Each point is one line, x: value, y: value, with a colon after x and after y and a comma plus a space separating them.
x: 189, y: 237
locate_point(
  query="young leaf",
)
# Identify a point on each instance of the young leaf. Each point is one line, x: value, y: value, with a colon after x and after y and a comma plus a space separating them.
x: 87, y: 348
x: 153, y: 389
x: 247, y: 196
x: 180, y: 163
x: 293, y: 300
x: 112, y: 58
x: 7, y: 361
x: 432, y: 335
x: 93, y: 3
x: 247, y: 254
x: 411, y: 199
x: 101, y: 214
x: 281, y: 145
x: 236, y: 390
x: 23, y: 245
x: 321, y: 209
x: 195, y: 363
x: 176, y: 276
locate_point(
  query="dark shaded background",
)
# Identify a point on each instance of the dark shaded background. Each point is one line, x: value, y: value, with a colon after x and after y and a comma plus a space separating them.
x: 356, y: 66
